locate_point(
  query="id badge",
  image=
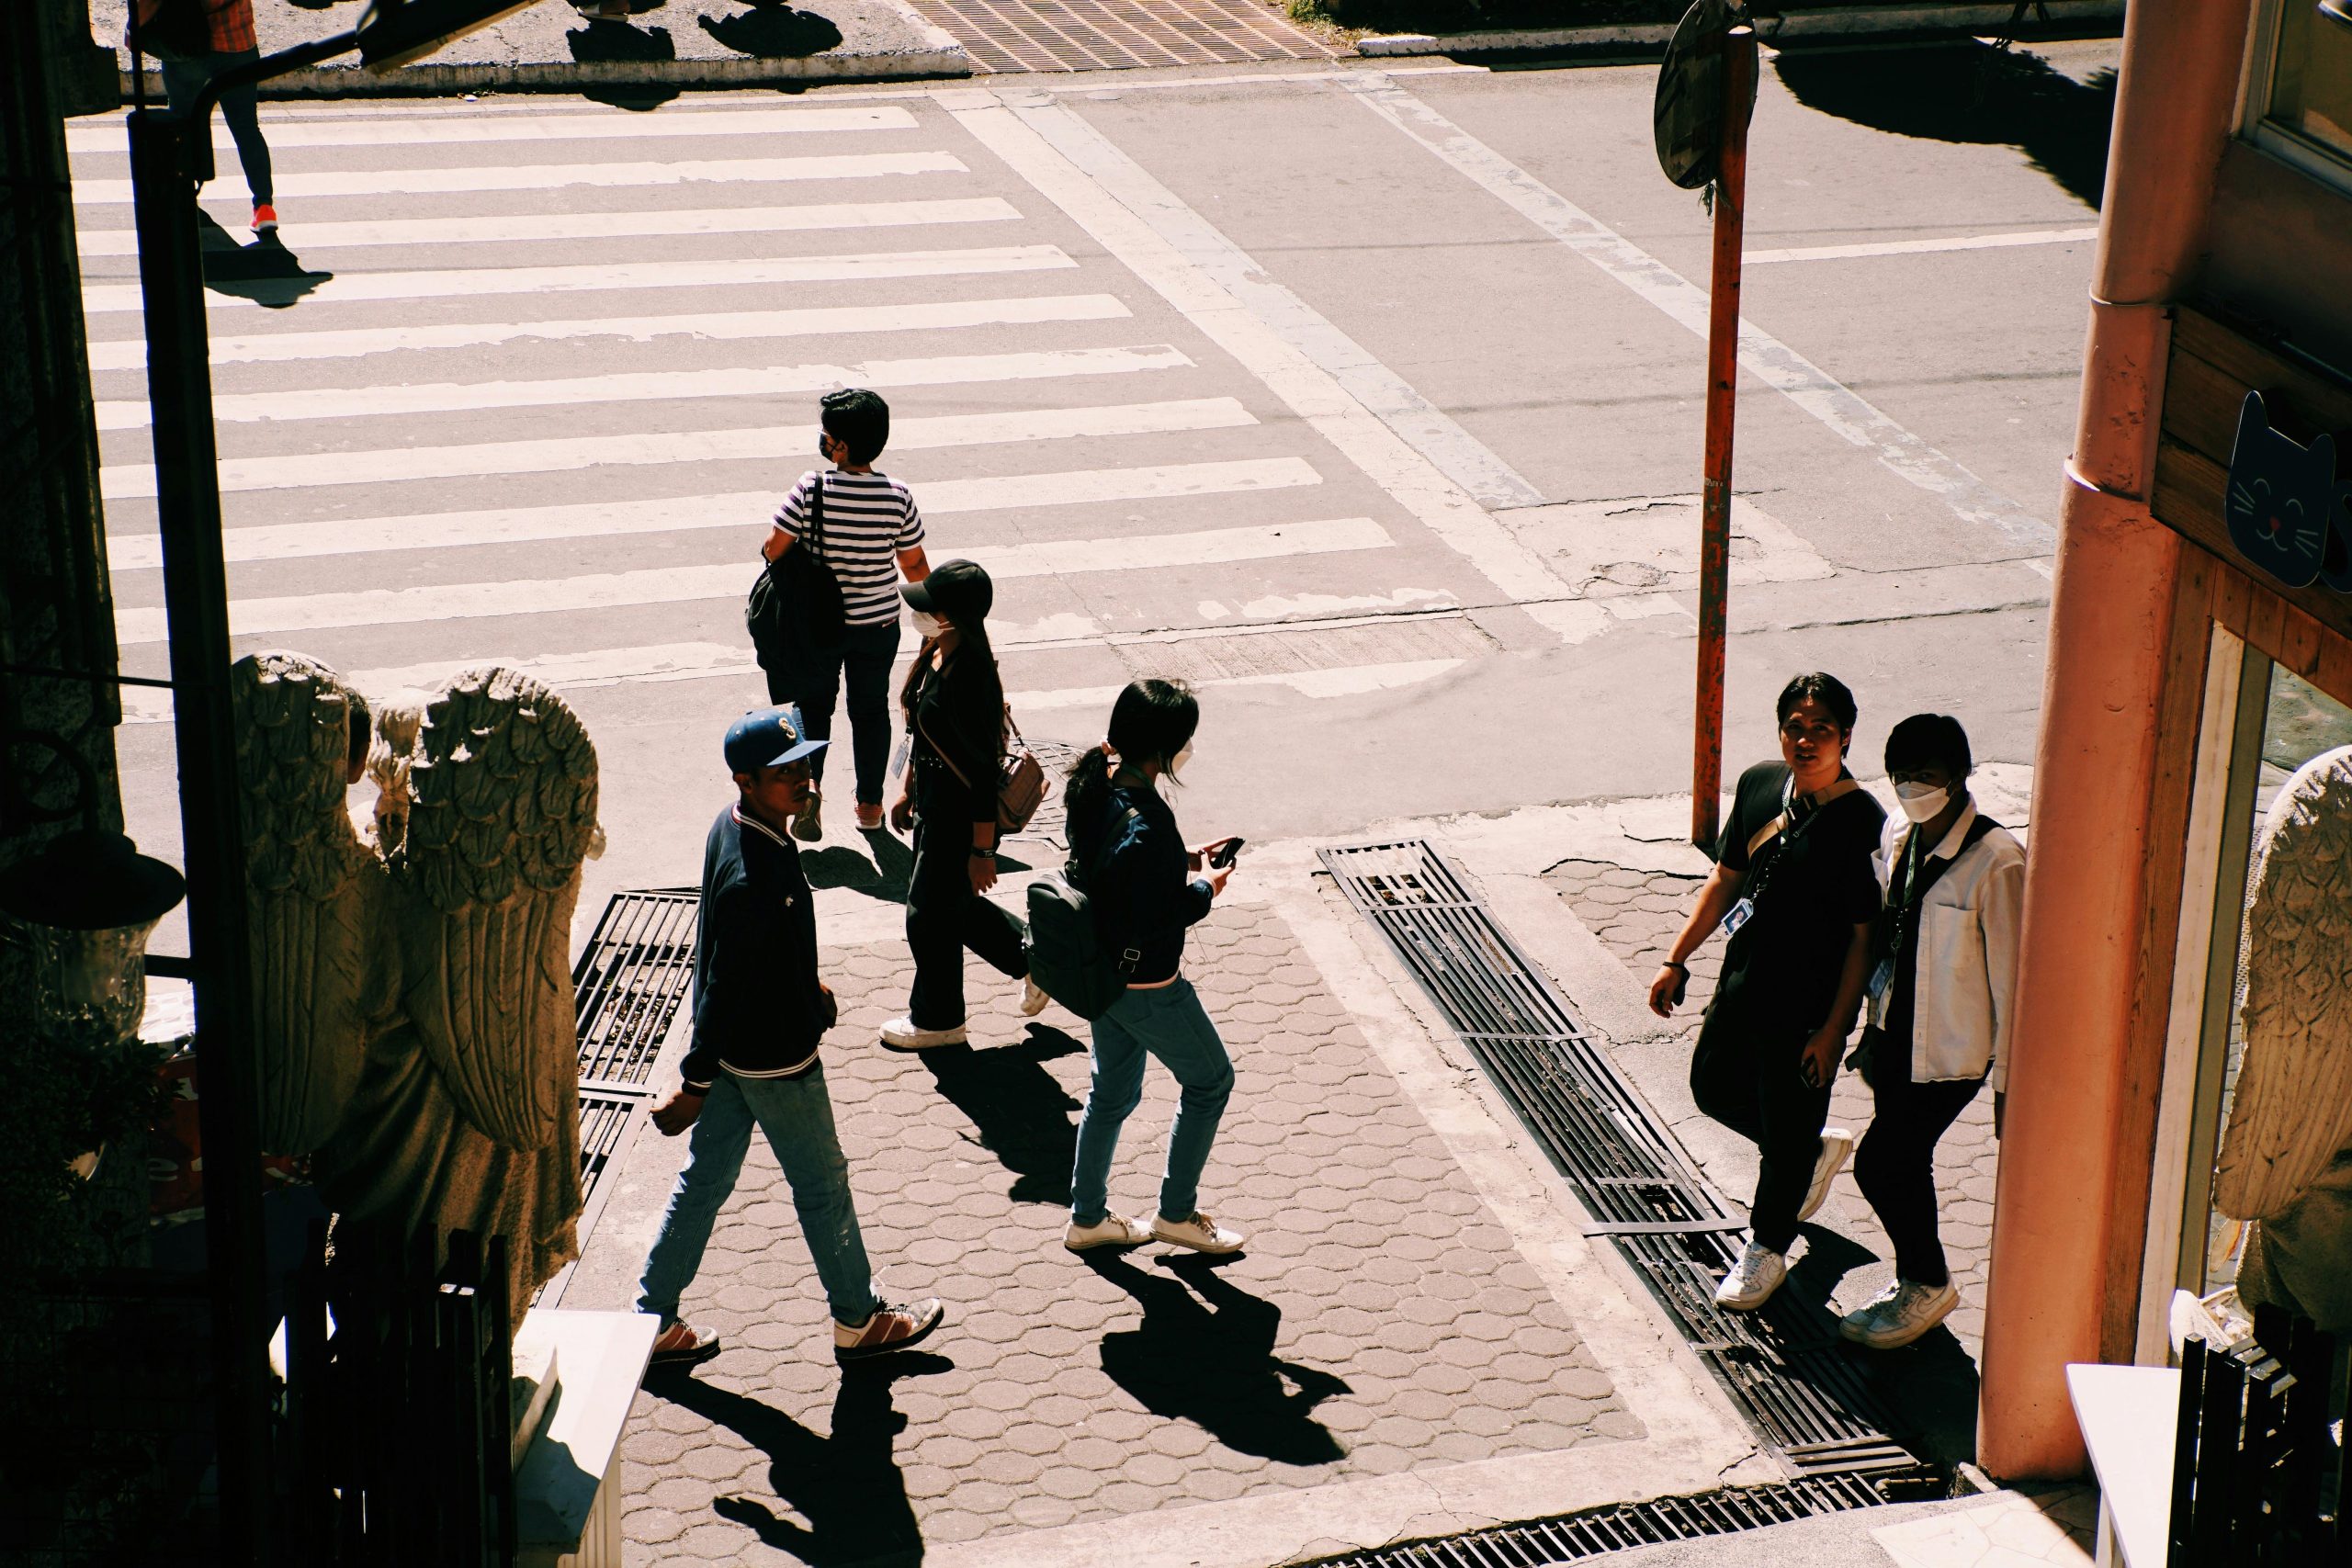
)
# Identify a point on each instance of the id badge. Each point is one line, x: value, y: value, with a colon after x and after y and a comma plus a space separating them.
x: 1881, y: 978
x: 899, y: 757
x: 1739, y: 916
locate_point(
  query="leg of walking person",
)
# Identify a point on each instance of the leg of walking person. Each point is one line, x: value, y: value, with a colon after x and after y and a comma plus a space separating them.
x: 816, y: 685
x: 714, y: 1150
x: 867, y: 658
x: 1176, y: 1029
x: 1895, y: 1166
x: 998, y: 935
x: 1112, y: 1096
x: 797, y: 1114
x: 1723, y: 1076
x: 937, y: 889
x: 241, y: 107
x: 1790, y: 1113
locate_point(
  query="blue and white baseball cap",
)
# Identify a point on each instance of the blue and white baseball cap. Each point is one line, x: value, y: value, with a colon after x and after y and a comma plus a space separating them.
x: 767, y: 737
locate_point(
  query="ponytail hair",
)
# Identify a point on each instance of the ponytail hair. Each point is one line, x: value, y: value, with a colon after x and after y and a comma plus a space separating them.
x: 1149, y: 723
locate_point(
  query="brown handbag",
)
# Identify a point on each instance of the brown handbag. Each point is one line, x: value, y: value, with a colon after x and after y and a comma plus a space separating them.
x: 1021, y: 786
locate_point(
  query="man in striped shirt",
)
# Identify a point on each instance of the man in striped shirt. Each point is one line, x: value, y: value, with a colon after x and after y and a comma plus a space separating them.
x: 869, y: 532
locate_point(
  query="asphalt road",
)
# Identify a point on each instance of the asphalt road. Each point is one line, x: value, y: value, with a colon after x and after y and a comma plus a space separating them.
x: 1368, y: 401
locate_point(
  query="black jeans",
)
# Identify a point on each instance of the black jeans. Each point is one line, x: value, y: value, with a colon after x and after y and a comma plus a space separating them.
x: 1752, y: 1081
x: 814, y: 682
x: 239, y: 107
x: 944, y: 917
x: 1895, y: 1166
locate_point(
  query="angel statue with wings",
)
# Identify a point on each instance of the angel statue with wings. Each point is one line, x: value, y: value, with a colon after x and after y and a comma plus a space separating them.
x: 414, y: 998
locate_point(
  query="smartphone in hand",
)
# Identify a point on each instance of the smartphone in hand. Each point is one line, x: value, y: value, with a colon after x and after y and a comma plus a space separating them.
x: 1225, y: 854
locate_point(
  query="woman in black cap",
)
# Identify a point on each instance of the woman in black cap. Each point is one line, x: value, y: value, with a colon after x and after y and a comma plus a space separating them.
x: 955, y: 709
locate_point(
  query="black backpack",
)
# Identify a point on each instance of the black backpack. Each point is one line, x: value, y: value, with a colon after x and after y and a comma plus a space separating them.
x: 1069, y: 960
x: 796, y: 604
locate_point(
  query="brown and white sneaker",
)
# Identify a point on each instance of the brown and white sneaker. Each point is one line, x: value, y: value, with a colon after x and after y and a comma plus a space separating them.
x: 1200, y: 1233
x: 683, y: 1344
x: 899, y: 1328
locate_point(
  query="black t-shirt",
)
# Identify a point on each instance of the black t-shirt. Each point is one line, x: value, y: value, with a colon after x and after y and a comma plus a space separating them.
x: 1812, y: 883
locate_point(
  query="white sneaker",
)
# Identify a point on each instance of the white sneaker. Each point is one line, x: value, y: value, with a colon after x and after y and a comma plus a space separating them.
x: 1112, y: 1230
x: 1752, y: 1280
x: 1900, y: 1314
x: 1032, y: 999
x: 809, y: 826
x: 1200, y: 1233
x: 1836, y: 1144
x: 901, y: 1035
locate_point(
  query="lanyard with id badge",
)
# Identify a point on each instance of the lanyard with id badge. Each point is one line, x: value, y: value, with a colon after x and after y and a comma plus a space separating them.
x: 1745, y: 910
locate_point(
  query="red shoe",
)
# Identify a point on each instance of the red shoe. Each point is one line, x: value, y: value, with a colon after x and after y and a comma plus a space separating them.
x: 683, y: 1344
x: 265, y: 218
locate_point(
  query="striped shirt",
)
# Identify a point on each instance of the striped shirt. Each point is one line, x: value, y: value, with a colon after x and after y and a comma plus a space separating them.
x: 869, y: 518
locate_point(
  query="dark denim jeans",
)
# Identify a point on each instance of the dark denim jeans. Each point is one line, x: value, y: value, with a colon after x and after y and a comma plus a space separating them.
x: 864, y: 658
x: 239, y: 106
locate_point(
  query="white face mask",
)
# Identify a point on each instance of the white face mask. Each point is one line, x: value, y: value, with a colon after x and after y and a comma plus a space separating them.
x: 1176, y: 763
x: 1922, y: 803
x: 927, y: 625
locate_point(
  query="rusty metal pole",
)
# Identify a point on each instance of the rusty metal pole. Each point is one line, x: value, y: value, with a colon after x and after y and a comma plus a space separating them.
x: 1723, y: 390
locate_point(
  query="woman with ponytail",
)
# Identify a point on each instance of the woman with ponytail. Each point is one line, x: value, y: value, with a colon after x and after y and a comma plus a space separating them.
x: 1146, y: 887
x: 953, y: 701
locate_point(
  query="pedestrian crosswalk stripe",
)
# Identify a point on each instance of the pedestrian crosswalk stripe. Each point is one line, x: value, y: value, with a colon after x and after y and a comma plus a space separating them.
x: 715, y: 325
x: 131, y: 480
x: 642, y: 386
x: 745, y: 510
x: 603, y: 276
x: 467, y: 132
x: 312, y: 237
x: 302, y: 185
x: 714, y: 660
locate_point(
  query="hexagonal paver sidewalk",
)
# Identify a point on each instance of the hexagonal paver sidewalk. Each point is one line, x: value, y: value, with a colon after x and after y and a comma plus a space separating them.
x: 1380, y: 1321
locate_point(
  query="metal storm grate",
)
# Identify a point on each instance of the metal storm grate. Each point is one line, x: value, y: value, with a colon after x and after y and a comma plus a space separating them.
x: 1784, y: 1365
x: 1574, y: 1537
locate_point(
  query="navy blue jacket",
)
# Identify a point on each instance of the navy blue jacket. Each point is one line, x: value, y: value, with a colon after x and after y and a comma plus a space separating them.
x: 1138, y: 881
x: 759, y: 1010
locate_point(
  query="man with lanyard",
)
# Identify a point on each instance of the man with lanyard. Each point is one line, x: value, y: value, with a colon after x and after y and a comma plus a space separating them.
x: 1943, y: 974
x: 1795, y: 890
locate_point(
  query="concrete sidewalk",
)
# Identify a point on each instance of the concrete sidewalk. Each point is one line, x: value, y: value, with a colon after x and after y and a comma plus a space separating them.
x: 1418, y: 1341
x: 665, y: 47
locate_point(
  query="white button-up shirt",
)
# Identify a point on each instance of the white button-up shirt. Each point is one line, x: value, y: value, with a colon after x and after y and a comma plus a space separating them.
x: 1964, y: 988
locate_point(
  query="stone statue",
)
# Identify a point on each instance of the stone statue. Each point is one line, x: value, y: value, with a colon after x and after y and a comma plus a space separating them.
x: 437, y: 1082
x: 2285, y: 1155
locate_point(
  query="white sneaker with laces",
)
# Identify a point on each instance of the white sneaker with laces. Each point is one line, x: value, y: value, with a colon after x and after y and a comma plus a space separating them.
x: 901, y: 1035
x: 1902, y: 1313
x: 1753, y: 1279
x: 1111, y: 1229
x: 1032, y: 999
x: 1836, y: 1144
x: 1200, y: 1233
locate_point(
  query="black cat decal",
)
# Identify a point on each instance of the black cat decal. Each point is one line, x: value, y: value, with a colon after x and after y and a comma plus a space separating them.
x: 2287, y: 513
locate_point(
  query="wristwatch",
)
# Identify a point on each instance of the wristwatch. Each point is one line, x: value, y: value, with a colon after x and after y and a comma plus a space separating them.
x: 979, y: 854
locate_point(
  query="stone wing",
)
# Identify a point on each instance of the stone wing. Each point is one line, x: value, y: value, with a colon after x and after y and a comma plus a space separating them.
x: 503, y: 810
x: 2291, y: 1109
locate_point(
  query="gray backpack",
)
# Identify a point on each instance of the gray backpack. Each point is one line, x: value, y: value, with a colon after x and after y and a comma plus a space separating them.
x: 1068, y: 959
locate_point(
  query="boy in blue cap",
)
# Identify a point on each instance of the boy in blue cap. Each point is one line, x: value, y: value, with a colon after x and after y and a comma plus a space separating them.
x: 760, y: 1012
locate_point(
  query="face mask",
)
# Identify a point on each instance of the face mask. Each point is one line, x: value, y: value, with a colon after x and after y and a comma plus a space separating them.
x: 927, y: 625
x: 1176, y: 763
x: 1922, y: 803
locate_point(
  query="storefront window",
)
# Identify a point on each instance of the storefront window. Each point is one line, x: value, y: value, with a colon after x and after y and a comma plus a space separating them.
x: 2283, y: 723
x: 2311, y: 78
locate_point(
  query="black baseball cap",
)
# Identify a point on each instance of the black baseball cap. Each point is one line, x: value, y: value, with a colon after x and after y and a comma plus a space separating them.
x: 955, y: 589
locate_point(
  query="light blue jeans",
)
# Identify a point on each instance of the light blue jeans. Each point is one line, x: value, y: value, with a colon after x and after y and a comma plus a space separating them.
x: 797, y: 1114
x: 1168, y: 1024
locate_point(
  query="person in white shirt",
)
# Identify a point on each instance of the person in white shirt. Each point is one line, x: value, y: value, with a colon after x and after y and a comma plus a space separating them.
x: 1943, y: 983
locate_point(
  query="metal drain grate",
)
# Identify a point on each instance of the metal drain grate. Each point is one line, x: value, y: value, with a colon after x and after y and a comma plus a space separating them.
x: 630, y: 978
x: 1571, y: 1538
x: 1784, y: 1365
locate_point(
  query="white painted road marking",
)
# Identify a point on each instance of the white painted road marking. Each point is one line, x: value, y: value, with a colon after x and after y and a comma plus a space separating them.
x: 745, y: 510
x: 729, y: 326
x: 131, y: 480
x: 1780, y: 367
x: 304, y: 185
x: 1923, y: 247
x: 642, y: 386
x: 468, y: 131
x: 314, y: 238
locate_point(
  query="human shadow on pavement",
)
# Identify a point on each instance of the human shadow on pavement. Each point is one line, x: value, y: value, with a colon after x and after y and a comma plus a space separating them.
x: 846, y: 1486
x: 884, y: 876
x: 1208, y: 1359
x: 1969, y: 93
x: 1020, y: 1111
x: 600, y: 40
x: 1930, y: 1386
x: 772, y: 29
x: 264, y: 272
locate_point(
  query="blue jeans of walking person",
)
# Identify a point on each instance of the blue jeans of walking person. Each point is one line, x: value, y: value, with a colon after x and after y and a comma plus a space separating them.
x: 1167, y: 1022
x: 797, y: 1114
x: 183, y: 79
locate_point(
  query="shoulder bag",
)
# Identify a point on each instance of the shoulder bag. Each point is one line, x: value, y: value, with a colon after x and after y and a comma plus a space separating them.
x: 1021, y: 786
x: 795, y: 601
